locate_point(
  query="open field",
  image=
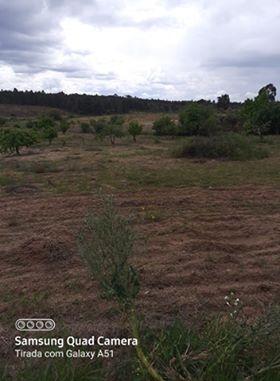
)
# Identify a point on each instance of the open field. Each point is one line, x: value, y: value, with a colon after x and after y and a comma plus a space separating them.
x: 204, y: 229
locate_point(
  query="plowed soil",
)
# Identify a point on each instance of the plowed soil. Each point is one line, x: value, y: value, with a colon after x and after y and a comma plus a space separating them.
x: 194, y: 246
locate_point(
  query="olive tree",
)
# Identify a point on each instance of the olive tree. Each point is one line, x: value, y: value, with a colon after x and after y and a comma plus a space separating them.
x: 13, y: 139
x: 134, y: 129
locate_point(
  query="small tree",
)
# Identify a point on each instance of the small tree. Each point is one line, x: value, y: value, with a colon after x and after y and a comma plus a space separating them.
x: 165, y: 126
x: 85, y: 128
x: 99, y: 125
x: 257, y: 114
x: 64, y: 126
x: 13, y: 139
x: 270, y: 90
x: 196, y: 119
x: 134, y: 129
x: 49, y: 133
x: 114, y: 128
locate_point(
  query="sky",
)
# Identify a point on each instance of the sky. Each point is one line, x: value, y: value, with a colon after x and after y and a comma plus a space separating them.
x: 168, y: 49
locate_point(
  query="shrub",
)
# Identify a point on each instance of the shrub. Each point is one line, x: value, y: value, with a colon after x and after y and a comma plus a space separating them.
x: 49, y: 133
x: 106, y: 243
x: 261, y: 115
x: 228, y: 146
x: 55, y: 115
x: 165, y: 126
x: 13, y: 139
x: 223, y: 102
x: 45, y: 123
x: 64, y: 126
x: 2, y: 121
x: 99, y: 125
x: 85, y: 128
x: 112, y: 128
x: 197, y: 119
x: 134, y: 129
x: 31, y: 124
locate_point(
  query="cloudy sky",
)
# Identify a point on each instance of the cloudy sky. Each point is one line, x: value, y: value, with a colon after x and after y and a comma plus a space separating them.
x: 170, y: 49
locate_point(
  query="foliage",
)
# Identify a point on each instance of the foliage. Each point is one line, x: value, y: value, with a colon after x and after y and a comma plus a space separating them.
x: 228, y: 146
x: 165, y: 126
x: 198, y: 120
x: 270, y: 91
x: 64, y: 126
x: 261, y: 115
x: 85, y: 128
x: 62, y: 370
x: 49, y: 133
x: 88, y: 104
x: 45, y: 122
x: 223, y: 102
x: 219, y: 349
x: 134, y: 129
x: 55, y: 115
x: 13, y: 139
x: 2, y: 121
x: 99, y: 125
x: 106, y: 243
x: 112, y: 128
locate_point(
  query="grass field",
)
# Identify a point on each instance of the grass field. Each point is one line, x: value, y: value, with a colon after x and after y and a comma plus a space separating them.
x: 204, y: 228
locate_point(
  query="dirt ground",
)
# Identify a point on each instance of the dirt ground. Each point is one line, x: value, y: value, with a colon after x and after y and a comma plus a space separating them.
x: 194, y: 246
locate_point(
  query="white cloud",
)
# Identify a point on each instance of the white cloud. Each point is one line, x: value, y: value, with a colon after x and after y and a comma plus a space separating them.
x: 177, y: 49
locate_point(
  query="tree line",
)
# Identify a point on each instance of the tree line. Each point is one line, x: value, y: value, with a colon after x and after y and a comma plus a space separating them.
x: 84, y: 104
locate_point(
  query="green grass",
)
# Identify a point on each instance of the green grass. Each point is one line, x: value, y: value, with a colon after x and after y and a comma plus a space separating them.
x: 131, y: 166
x: 189, y: 174
x: 218, y: 349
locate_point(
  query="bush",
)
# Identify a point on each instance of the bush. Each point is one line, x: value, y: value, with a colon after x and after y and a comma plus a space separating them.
x: 85, y: 128
x: 55, y: 115
x: 261, y: 115
x: 49, y: 133
x: 197, y: 119
x: 64, y: 126
x: 134, y: 129
x: 13, y: 139
x: 99, y: 125
x: 113, y: 128
x: 106, y: 242
x: 165, y: 126
x: 228, y: 146
x: 2, y: 121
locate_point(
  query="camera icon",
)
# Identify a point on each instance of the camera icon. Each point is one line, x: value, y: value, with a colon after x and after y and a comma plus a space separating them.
x: 35, y: 325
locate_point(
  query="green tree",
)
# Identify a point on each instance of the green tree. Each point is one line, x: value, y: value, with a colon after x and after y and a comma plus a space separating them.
x: 64, y: 126
x: 257, y: 114
x: 99, y: 125
x: 223, y: 102
x: 134, y: 129
x: 49, y: 133
x: 197, y: 119
x: 165, y: 126
x: 13, y: 139
x: 85, y: 128
x: 270, y: 90
x: 113, y: 129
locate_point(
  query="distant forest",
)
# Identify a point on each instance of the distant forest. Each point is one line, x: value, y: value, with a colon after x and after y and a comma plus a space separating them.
x: 91, y: 104
x: 88, y: 104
